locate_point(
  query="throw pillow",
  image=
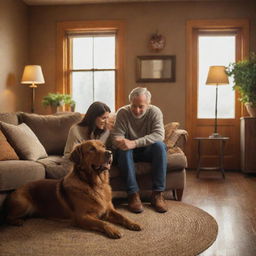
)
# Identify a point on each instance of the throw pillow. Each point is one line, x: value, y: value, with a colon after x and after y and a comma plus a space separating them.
x: 172, y: 135
x: 24, y: 141
x: 51, y: 130
x: 6, y: 151
x: 170, y: 129
x: 10, y: 118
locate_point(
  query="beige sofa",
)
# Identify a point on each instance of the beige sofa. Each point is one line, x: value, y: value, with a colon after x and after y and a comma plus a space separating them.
x: 39, y: 142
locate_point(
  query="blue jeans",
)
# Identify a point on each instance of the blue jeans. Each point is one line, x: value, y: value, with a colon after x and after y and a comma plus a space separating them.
x: 154, y: 153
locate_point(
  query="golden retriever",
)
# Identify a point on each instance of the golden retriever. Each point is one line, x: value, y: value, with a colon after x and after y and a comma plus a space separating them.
x: 83, y: 196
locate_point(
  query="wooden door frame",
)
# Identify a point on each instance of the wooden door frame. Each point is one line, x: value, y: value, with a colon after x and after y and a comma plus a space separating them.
x: 62, y: 55
x: 191, y: 68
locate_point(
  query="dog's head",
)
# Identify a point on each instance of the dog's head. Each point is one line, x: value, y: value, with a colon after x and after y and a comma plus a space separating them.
x: 92, y: 155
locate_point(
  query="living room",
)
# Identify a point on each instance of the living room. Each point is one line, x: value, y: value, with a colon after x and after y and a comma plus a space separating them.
x: 29, y: 33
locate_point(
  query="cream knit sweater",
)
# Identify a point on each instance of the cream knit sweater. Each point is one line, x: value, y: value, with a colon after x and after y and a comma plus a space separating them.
x: 78, y: 134
x: 144, y: 131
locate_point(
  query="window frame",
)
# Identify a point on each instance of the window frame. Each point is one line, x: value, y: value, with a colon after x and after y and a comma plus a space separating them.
x: 63, y: 55
x: 71, y: 70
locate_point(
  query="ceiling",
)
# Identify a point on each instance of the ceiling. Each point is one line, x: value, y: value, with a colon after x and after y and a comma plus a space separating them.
x: 68, y: 2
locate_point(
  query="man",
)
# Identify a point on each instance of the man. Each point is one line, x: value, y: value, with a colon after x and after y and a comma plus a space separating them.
x: 138, y: 135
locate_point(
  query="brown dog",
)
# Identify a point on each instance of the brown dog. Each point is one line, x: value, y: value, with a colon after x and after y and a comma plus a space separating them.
x: 84, y: 195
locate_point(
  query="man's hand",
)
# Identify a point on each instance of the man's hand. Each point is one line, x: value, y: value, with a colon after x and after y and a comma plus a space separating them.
x: 125, y: 144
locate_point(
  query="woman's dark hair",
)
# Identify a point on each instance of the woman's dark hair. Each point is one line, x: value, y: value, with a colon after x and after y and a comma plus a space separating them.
x: 95, y: 110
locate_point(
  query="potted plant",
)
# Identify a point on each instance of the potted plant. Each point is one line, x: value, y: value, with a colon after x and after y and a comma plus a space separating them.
x: 57, y: 100
x: 244, y: 73
x: 69, y: 102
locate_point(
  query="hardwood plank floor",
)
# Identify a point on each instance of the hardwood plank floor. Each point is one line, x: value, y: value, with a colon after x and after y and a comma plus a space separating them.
x: 232, y: 202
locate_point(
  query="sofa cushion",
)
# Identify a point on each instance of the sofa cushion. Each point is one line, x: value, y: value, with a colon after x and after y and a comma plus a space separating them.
x: 24, y: 141
x: 6, y: 151
x: 56, y: 167
x: 175, y: 179
x: 175, y: 162
x: 10, y: 118
x: 51, y: 130
x: 14, y: 173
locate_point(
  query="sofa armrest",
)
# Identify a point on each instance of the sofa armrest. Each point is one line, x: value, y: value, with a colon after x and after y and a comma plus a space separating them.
x: 182, y: 140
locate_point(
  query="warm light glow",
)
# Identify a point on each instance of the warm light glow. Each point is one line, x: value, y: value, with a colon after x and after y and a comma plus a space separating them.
x: 32, y: 74
x: 216, y: 50
x: 217, y: 76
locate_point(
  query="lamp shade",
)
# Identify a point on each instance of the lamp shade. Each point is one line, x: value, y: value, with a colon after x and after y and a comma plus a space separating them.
x: 217, y: 76
x: 32, y: 74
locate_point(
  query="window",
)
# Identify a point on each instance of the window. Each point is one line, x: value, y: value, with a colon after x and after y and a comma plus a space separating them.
x: 215, y: 50
x: 90, y: 62
x: 92, y: 69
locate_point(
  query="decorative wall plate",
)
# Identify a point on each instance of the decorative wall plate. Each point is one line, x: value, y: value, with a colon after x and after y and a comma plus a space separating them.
x: 157, y: 42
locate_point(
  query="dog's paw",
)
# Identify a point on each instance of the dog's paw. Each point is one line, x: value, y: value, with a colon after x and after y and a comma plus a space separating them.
x: 135, y: 227
x: 113, y: 233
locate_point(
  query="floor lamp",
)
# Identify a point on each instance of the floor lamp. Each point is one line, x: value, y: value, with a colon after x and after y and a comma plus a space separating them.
x: 216, y: 76
x: 32, y: 75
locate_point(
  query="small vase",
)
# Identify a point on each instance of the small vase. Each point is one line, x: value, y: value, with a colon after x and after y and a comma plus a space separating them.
x: 72, y: 108
x: 56, y: 109
x: 53, y: 109
x: 251, y: 109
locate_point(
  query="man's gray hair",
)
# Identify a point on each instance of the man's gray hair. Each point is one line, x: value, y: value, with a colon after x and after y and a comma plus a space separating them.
x: 140, y: 91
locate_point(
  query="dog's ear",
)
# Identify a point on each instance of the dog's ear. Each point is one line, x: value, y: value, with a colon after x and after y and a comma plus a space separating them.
x: 76, y: 154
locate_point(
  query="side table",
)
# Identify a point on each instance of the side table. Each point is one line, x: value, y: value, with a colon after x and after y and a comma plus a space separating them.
x: 222, y: 141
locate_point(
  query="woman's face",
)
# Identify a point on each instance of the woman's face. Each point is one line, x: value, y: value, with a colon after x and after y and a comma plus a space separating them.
x: 101, y: 121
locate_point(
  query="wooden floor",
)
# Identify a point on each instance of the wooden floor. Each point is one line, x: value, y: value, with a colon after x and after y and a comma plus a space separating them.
x: 232, y: 202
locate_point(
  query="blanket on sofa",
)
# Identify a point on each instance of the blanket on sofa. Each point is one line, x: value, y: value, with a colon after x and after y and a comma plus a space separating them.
x: 172, y: 135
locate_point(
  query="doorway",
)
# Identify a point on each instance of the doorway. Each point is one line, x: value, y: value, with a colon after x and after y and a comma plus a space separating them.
x: 213, y: 42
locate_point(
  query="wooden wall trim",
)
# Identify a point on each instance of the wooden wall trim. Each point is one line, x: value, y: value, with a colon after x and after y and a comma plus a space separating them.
x: 191, y: 68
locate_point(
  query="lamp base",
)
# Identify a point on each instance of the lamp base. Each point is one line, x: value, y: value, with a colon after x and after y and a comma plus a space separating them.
x: 215, y: 135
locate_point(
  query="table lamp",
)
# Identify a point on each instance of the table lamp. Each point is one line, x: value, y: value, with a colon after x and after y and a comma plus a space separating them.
x: 32, y: 75
x: 216, y: 76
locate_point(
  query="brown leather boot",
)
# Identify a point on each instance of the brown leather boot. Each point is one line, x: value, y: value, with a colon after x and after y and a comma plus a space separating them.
x: 134, y: 203
x: 158, y: 202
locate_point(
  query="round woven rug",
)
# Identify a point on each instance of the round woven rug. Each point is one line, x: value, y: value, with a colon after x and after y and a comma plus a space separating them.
x: 183, y: 230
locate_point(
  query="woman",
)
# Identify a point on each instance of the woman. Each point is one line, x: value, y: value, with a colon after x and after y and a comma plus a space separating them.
x: 93, y: 126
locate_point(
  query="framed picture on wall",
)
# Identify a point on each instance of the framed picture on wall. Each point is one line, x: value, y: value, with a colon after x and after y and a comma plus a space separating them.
x: 156, y: 68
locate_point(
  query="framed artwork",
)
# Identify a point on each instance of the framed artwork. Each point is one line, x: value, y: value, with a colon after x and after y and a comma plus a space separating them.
x: 156, y: 68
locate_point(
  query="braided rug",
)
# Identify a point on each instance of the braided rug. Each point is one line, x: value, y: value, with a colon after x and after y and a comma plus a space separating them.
x: 183, y: 230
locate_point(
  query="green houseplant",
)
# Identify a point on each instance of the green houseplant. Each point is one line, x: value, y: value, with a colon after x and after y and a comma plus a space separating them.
x: 69, y: 102
x: 57, y: 100
x: 244, y: 74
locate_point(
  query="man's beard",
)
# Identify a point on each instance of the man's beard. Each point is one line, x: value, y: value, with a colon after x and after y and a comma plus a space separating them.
x: 140, y: 116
